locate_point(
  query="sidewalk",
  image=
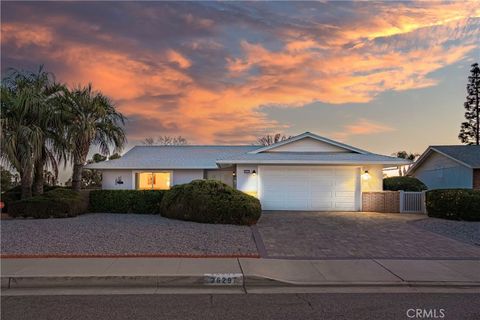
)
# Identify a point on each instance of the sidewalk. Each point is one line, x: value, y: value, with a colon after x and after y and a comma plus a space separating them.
x: 233, y: 274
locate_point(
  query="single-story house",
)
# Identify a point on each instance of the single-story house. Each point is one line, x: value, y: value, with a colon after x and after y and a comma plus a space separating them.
x: 305, y: 172
x: 447, y: 167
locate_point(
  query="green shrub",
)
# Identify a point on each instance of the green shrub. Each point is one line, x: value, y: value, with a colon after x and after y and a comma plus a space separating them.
x: 56, y: 203
x: 403, y: 183
x: 454, y: 204
x: 210, y: 201
x: 126, y: 201
x: 15, y: 194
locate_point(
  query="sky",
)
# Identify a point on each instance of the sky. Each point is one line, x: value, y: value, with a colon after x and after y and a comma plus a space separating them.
x: 382, y: 76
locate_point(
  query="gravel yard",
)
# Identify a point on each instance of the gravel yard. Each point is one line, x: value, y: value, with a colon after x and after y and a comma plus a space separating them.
x: 464, y: 231
x: 123, y: 234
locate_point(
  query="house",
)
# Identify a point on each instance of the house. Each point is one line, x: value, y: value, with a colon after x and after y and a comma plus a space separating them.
x: 446, y: 167
x: 305, y: 172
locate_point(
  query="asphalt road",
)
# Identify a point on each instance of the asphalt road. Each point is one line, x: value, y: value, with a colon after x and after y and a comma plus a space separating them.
x: 250, y: 306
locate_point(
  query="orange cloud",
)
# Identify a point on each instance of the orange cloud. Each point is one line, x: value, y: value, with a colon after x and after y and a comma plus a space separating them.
x: 346, y: 66
x: 24, y: 34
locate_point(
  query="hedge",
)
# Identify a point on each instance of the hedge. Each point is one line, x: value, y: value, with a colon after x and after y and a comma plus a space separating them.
x: 210, y: 201
x: 57, y: 203
x: 126, y: 201
x: 454, y: 204
x: 15, y: 194
x: 403, y: 183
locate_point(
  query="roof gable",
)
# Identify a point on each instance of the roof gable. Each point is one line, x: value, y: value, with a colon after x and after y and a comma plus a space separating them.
x: 468, y: 156
x: 308, y: 142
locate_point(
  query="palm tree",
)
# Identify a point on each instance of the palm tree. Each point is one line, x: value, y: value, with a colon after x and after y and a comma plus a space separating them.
x: 25, y: 114
x: 402, y: 170
x: 271, y: 139
x: 92, y: 120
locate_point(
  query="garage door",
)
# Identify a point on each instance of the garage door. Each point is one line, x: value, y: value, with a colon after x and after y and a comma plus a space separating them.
x: 308, y: 188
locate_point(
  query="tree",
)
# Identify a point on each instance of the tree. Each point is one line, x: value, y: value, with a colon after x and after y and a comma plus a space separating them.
x: 7, y: 179
x: 470, y: 129
x: 93, y: 120
x: 402, y: 170
x: 271, y: 139
x: 165, y: 141
x: 114, y: 156
x: 31, y: 122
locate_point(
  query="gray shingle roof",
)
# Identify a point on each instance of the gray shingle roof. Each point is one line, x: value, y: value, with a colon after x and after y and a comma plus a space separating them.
x: 313, y: 158
x: 172, y: 157
x: 470, y: 155
x: 207, y: 157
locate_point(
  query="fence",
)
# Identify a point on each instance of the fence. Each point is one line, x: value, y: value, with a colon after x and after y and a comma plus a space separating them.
x: 412, y: 201
x: 393, y: 201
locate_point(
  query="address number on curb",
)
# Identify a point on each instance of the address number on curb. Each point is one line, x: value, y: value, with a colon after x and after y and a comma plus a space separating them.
x: 223, y: 279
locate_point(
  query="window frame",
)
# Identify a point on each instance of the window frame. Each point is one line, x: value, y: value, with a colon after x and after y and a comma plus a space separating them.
x: 134, y: 178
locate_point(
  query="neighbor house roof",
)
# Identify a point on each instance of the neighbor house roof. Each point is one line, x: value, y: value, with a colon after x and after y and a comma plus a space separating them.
x: 468, y: 156
x: 210, y: 157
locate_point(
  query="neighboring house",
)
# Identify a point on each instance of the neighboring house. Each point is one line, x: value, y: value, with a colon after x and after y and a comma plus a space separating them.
x: 305, y: 172
x: 446, y: 167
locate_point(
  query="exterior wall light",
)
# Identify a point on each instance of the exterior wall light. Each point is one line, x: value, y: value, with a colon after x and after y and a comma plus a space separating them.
x: 254, y: 172
x: 366, y: 175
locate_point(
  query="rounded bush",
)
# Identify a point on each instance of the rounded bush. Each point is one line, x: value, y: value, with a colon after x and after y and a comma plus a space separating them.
x: 57, y: 203
x: 403, y: 183
x: 210, y: 201
x: 454, y: 204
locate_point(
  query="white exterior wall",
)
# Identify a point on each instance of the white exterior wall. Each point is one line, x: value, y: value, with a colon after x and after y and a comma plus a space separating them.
x: 185, y: 176
x: 247, y: 182
x: 109, y: 177
x: 375, y: 182
x: 440, y: 172
x: 128, y: 176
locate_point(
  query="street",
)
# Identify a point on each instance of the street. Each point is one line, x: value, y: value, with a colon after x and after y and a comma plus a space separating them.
x: 246, y: 306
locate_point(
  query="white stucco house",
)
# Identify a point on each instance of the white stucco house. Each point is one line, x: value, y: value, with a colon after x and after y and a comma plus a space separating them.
x: 305, y: 172
x: 448, y: 167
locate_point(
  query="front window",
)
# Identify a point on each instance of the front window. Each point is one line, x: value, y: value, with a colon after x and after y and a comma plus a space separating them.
x: 152, y: 180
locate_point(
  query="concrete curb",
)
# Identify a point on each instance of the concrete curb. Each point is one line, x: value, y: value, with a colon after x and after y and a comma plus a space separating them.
x: 247, y: 274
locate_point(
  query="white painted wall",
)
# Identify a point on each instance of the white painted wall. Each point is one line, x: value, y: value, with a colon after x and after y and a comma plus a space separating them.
x: 185, y: 176
x: 440, y: 172
x: 247, y: 182
x: 308, y: 145
x: 109, y: 177
x: 375, y: 183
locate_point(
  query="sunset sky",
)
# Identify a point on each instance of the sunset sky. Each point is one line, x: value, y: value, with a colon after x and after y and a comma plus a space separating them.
x: 380, y: 76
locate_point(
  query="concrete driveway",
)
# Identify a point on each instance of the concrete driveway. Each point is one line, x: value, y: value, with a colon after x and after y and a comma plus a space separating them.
x: 320, y: 235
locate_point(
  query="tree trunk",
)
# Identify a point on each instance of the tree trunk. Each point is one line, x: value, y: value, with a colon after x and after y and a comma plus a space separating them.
x: 38, y: 179
x: 78, y: 164
x: 26, y: 182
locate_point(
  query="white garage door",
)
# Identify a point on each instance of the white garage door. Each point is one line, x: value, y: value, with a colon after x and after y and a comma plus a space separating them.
x: 308, y: 188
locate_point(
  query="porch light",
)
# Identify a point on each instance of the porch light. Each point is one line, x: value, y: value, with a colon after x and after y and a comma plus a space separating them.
x: 366, y: 175
x: 254, y: 172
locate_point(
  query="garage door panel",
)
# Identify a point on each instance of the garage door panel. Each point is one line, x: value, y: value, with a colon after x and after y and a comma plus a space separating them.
x: 308, y: 188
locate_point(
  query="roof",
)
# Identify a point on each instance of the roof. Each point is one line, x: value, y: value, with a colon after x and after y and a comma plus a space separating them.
x: 309, y: 135
x: 312, y: 158
x: 172, y: 157
x: 468, y: 155
x: 211, y: 157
